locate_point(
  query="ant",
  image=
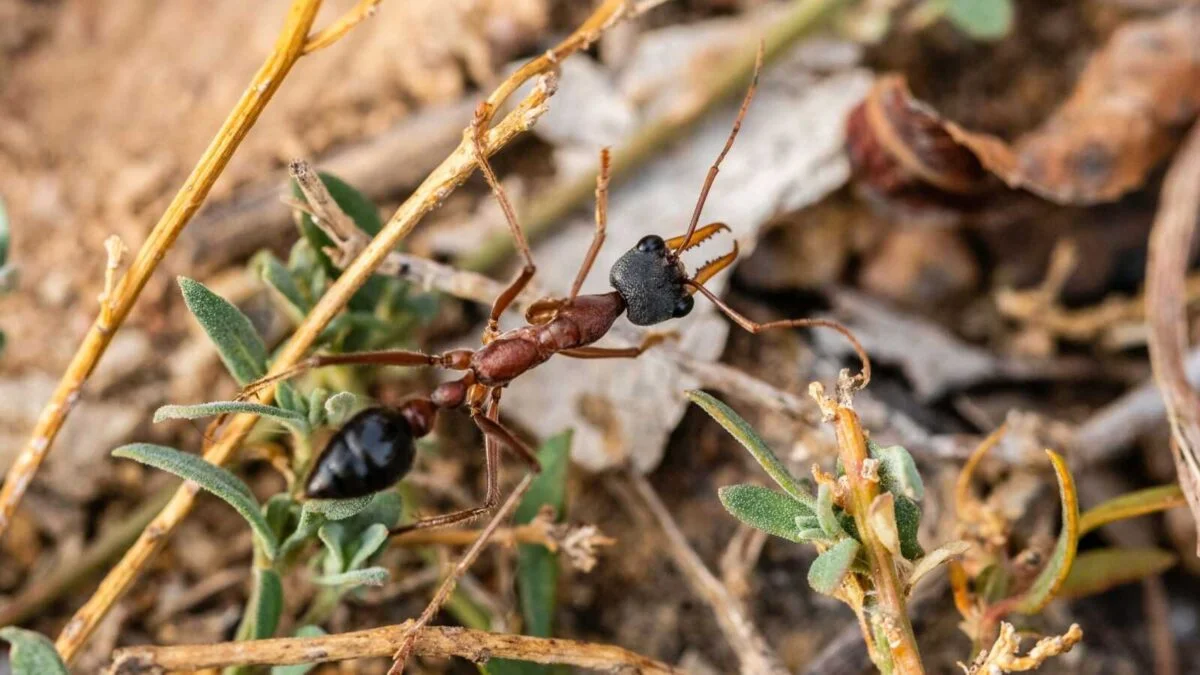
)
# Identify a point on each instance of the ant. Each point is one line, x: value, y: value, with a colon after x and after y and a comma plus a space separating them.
x: 375, y: 448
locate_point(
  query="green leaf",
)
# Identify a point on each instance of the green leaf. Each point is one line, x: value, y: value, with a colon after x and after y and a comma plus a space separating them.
x: 334, y: 537
x: 908, y: 524
x: 275, y: 275
x: 1132, y: 505
x: 371, y: 576
x: 338, y: 509
x: 265, y: 605
x: 897, y: 471
x: 292, y: 420
x: 537, y: 568
x: 282, y: 514
x: 263, y: 609
x: 240, y: 347
x: 825, y: 516
x: 212, y: 478
x: 1051, y: 578
x: 339, y: 407
x: 981, y: 19
x: 749, y: 438
x: 369, y: 543
x: 830, y: 568
x: 765, y: 509
x: 32, y: 653
x: 1099, y: 570
x: 301, y: 668
x: 386, y: 509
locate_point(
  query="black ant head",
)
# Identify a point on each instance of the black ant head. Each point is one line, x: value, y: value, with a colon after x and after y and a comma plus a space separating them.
x: 652, y: 280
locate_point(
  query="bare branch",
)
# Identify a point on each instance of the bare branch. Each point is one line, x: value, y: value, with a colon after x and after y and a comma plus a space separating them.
x: 435, y: 641
x: 1166, y: 269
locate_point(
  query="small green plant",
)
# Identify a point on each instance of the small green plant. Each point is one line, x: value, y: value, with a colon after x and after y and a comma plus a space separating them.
x: 864, y: 519
x: 337, y: 540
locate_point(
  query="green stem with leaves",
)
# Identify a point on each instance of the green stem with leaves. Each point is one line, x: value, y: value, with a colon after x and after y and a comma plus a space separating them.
x: 890, y: 618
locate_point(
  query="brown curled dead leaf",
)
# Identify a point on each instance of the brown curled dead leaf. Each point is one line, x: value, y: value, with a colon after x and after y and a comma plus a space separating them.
x: 1127, y: 112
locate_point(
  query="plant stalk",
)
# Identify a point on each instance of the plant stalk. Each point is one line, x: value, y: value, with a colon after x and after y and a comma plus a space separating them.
x: 890, y: 615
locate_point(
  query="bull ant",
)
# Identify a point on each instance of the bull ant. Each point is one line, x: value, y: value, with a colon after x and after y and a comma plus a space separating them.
x: 375, y: 448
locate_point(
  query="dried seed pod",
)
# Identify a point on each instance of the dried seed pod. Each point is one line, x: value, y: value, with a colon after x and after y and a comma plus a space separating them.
x: 1124, y: 116
x: 898, y: 145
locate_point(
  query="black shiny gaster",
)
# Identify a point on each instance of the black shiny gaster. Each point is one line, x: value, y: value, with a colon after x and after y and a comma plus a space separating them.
x: 372, y: 451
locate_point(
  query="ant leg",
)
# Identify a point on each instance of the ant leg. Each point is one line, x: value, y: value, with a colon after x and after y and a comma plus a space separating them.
x: 754, y: 327
x: 601, y: 223
x: 522, y: 279
x: 491, y: 453
x: 712, y: 170
x: 453, y: 360
x: 648, y: 341
x: 494, y: 429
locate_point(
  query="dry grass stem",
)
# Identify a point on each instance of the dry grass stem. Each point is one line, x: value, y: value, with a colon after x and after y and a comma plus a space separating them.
x: 1166, y: 269
x: 437, y: 186
x: 288, y: 48
x: 754, y: 655
x: 361, y: 11
x: 579, y: 544
x: 431, y: 641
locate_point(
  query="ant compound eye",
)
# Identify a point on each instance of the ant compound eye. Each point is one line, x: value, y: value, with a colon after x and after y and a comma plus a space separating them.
x: 683, y: 306
x: 651, y: 243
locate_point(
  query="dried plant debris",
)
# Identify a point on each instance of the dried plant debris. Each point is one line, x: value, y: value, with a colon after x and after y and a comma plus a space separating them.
x: 1124, y: 117
x: 1004, y: 655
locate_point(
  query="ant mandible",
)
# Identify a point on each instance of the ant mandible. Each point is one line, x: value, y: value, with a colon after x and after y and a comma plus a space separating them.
x: 375, y: 448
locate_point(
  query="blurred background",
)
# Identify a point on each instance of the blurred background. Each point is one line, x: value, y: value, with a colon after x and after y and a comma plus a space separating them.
x: 969, y: 186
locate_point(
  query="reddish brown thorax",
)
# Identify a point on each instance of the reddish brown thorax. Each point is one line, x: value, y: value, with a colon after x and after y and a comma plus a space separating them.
x: 579, y: 324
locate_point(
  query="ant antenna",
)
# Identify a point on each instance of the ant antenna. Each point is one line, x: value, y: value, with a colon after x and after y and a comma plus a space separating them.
x: 754, y: 327
x: 712, y: 170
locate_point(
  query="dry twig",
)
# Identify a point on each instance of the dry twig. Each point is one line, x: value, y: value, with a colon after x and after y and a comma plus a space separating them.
x: 754, y: 655
x: 434, y: 641
x: 443, y: 180
x: 1166, y: 269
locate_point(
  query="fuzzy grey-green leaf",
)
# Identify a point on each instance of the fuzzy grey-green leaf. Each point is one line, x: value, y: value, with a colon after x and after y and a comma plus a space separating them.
x: 830, y: 568
x: 339, y: 407
x: 825, y: 515
x: 31, y: 653
x: 897, y: 471
x: 212, y: 478
x: 279, y: 278
x: 908, y: 524
x: 765, y: 509
x: 369, y: 542
x: 293, y: 420
x: 371, y: 576
x: 338, y: 509
x: 239, y: 345
x: 745, y: 434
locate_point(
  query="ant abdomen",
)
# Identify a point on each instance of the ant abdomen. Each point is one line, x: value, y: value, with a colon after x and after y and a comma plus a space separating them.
x: 371, y: 451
